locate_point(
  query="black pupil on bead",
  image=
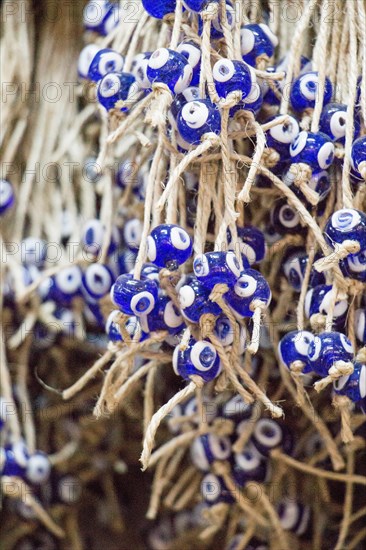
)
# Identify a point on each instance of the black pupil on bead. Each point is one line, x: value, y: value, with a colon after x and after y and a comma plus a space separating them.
x: 224, y: 70
x: 268, y: 431
x: 140, y: 72
x: 109, y: 66
x: 342, y: 121
x: 312, y: 85
x: 288, y: 214
x: 98, y: 279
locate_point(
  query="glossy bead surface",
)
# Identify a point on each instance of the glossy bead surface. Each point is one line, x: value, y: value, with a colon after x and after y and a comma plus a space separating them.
x: 112, y: 328
x: 250, y: 286
x: 354, y: 266
x: 159, y: 8
x: 116, y: 87
x: 328, y: 348
x: 358, y: 156
x: 194, y: 301
x: 197, y: 118
x: 65, y: 285
x: 294, y: 346
x: 105, y: 61
x: 284, y: 218
x: 164, y: 316
x: 132, y: 231
x: 216, y: 26
x: 169, y: 246
x: 33, y: 251
x: 7, y: 196
x: 333, y: 122
x: 92, y: 238
x: 314, y: 149
x: 232, y: 76
x: 196, y: 5
x: 134, y: 297
x: 207, y: 448
x: 192, y: 52
x: 251, y: 243
x: 216, y: 267
x: 199, y: 358
x: 171, y: 68
x: 346, y: 224
x: 318, y: 300
x: 304, y: 91
x: 191, y: 93
x: 257, y: 40
x: 281, y: 136
x: 353, y: 385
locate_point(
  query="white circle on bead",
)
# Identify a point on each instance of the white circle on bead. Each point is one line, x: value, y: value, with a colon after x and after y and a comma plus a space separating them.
x: 159, y: 58
x: 194, y: 114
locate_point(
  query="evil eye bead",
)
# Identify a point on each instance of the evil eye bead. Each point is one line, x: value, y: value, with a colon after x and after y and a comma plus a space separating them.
x: 214, y: 490
x: 132, y: 232
x: 194, y: 301
x: 232, y: 76
x: 327, y: 348
x: 236, y: 409
x: 159, y: 8
x: 345, y: 224
x: 199, y: 358
x: 97, y: 280
x: 171, y: 68
x: 191, y: 93
x: 33, y: 252
x: 192, y: 52
x: 216, y: 267
x: 164, y: 316
x: 132, y: 326
x: 66, y: 285
x: 150, y: 271
x: 333, y: 122
x: 284, y: 218
x: 304, y: 91
x: 7, y: 196
x: 269, y: 434
x: 224, y: 330
x: 353, y: 385
x: 294, y: 346
x: 250, y: 286
x: 116, y: 87
x: 13, y: 461
x: 358, y: 156
x: 134, y: 297
x: 112, y: 328
x: 127, y: 176
x: 105, y: 61
x: 139, y: 70
x: 249, y: 466
x: 207, y: 448
x: 294, y: 270
x: 169, y: 246
x: 38, y: 468
x: 251, y: 243
x: 354, y: 266
x: 319, y: 299
x: 360, y: 325
x: 294, y: 516
x: 257, y: 40
x: 314, y: 149
x: 96, y: 14
x: 216, y: 24
x: 197, y: 118
x: 281, y: 136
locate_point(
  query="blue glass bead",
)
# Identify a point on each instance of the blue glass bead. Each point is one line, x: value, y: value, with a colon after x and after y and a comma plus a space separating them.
x: 252, y: 244
x: 236, y: 409
x: 224, y: 330
x: 171, y: 68
x: 150, y: 271
x: 132, y: 231
x: 249, y: 466
x: 294, y: 516
x: 257, y: 40
x: 232, y: 76
x: 33, y: 251
x: 253, y: 102
x: 284, y: 218
x: 65, y: 285
x: 7, y: 196
x: 197, y: 118
x: 16, y: 458
x: 116, y: 87
x: 318, y: 300
x: 139, y: 70
x: 169, y: 246
x: 294, y: 269
x: 353, y: 385
x: 134, y: 297
x: 92, y: 238
x: 196, y: 5
x: 354, y: 266
x: 123, y: 262
x: 67, y: 321
x: 96, y: 16
x: 314, y: 149
x: 269, y: 434
x: 327, y: 348
x: 159, y: 8
x: 97, y: 280
x: 105, y: 61
x: 358, y: 156
x: 192, y: 52
x: 216, y: 26
x: 271, y: 94
x: 304, y: 91
x: 164, y: 316
x: 112, y: 328
x: 250, y: 286
x: 127, y: 176
x: 214, y: 490
x: 199, y: 358
x: 38, y: 468
x: 216, y: 267
x: 281, y: 136
x: 344, y: 224
x: 360, y: 325
x: 194, y: 301
x: 294, y: 346
x: 333, y: 122
x: 191, y: 93
x: 207, y: 448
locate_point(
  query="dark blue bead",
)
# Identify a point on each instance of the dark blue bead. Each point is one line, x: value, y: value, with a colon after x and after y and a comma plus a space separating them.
x: 65, y: 285
x: 134, y: 297
x: 251, y: 243
x: 216, y: 26
x: 248, y: 465
x: 7, y: 196
x: 150, y: 271
x: 358, y: 156
x: 194, y: 301
x: 191, y: 93
x: 236, y: 409
x: 294, y: 269
x: 294, y: 516
x: 196, y: 5
x: 192, y: 52
x: 318, y: 299
x: 208, y: 448
x: 313, y: 149
x: 132, y: 326
x: 105, y: 61
x: 38, y: 468
x: 139, y: 70
x: 100, y: 16
x: 116, y: 87
x: 171, y: 68
x: 214, y: 490
x: 132, y: 232
x: 353, y: 385
x: 164, y: 316
x: 216, y: 267
x: 232, y: 76
x: 304, y: 91
x: 269, y: 434
x: 253, y: 102
x: 16, y: 458
x: 354, y: 266
x: 281, y: 136
x: 284, y: 218
x: 294, y: 346
x: 333, y: 122
x: 197, y: 118
x: 328, y: 348
x: 112, y: 328
x: 159, y: 8
x: 250, y: 286
x: 346, y: 224
x: 169, y: 246
x: 257, y: 40
x: 97, y: 280
x: 199, y: 358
